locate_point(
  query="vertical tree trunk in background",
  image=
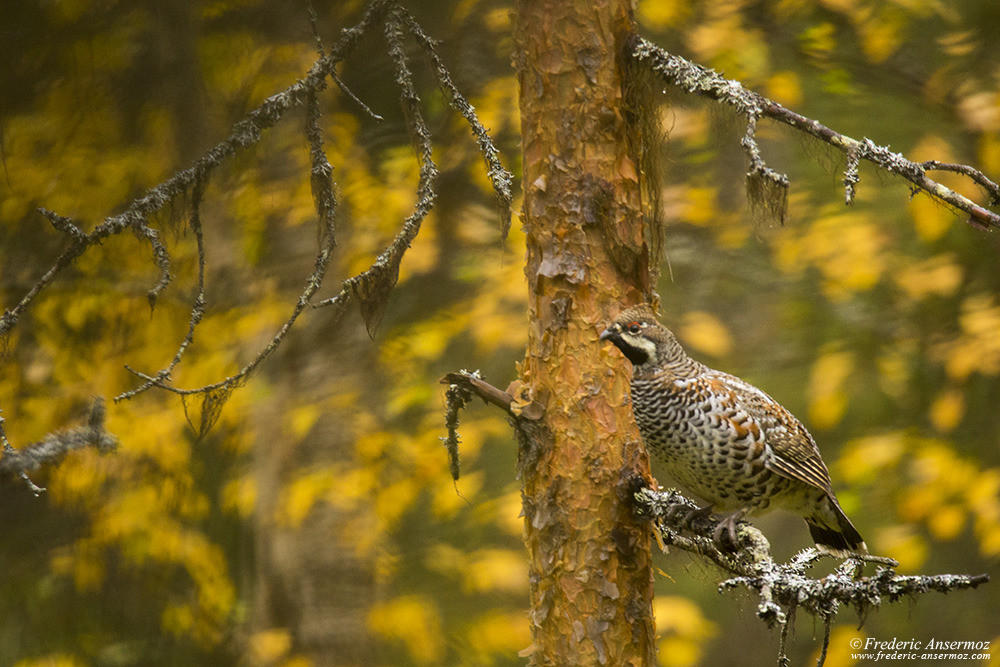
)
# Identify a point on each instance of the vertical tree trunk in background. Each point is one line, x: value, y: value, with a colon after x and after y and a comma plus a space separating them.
x: 587, y: 258
x: 311, y: 580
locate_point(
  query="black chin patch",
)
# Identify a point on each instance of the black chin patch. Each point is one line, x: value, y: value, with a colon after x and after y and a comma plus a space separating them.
x: 636, y: 355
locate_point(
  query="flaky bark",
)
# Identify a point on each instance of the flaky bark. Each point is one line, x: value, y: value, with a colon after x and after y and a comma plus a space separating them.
x: 587, y: 257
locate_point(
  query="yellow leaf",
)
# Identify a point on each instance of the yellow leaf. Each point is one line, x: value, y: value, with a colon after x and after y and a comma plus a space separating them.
x: 785, y: 88
x: 866, y: 459
x: 937, y: 276
x: 880, y: 34
x: 299, y: 497
x: 447, y: 499
x: 918, y: 503
x: 496, y: 634
x: 947, y: 409
x: 930, y: 219
x: 412, y: 620
x: 240, y: 496
x: 684, y: 628
x: 496, y: 570
x: 905, y: 546
x: 301, y: 419
x: 52, y: 660
x: 679, y: 652
x: 989, y: 152
x: 827, y: 397
x: 659, y: 15
x: 268, y: 646
x: 699, y: 206
x: 681, y: 616
x: 946, y: 522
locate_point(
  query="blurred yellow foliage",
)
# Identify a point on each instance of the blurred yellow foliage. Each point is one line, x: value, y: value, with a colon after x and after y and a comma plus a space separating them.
x: 658, y: 15
x: 151, y: 512
x: 930, y: 219
x: 947, y: 409
x: 301, y: 494
x: 931, y: 485
x: 846, y: 247
x: 481, y: 570
x: 415, y: 622
x: 239, y: 496
x: 683, y: 630
x: 700, y: 206
x: 988, y: 152
x: 496, y: 635
x: 880, y: 31
x: 977, y: 348
x: 904, y: 544
x: 839, y: 653
x: 785, y: 87
x: 940, y: 275
x: 269, y: 646
x: 864, y: 460
x: 827, y: 391
x: 705, y: 333
x: 58, y: 660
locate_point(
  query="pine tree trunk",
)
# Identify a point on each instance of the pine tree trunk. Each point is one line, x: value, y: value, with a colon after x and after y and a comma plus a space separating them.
x: 587, y: 258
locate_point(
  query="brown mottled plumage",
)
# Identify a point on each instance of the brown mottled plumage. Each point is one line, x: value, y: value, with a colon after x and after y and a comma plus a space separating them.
x: 723, y: 439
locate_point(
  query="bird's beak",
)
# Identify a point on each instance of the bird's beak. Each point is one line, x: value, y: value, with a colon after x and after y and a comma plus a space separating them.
x: 608, y: 334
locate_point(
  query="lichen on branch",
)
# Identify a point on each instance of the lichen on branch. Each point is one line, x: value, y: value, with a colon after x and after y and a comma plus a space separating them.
x: 752, y: 106
x: 784, y: 588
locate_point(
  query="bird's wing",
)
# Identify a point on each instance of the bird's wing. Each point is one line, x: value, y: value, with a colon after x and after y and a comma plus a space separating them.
x: 794, y: 453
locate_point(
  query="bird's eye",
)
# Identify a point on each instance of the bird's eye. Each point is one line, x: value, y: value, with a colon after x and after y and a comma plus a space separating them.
x: 635, y: 328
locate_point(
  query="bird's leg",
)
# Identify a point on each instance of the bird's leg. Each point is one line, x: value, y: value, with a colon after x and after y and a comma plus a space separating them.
x: 725, y: 532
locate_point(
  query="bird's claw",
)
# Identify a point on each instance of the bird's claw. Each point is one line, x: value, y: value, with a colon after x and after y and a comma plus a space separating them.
x: 724, y: 534
x: 684, y: 515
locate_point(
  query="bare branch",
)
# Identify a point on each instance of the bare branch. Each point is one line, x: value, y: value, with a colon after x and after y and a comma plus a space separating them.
x: 244, y: 134
x: 499, y: 177
x: 370, y: 288
x: 784, y: 588
x: 55, y: 446
x: 473, y: 383
x: 708, y: 83
x: 992, y: 188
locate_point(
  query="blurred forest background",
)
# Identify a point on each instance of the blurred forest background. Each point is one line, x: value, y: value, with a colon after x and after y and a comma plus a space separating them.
x: 317, y: 523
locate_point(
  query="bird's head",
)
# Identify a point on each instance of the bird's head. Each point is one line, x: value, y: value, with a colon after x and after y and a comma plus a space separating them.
x: 641, y: 338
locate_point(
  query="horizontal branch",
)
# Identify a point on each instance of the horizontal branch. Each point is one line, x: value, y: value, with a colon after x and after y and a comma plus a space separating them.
x: 55, y: 446
x: 700, y: 80
x: 784, y: 588
x: 471, y: 382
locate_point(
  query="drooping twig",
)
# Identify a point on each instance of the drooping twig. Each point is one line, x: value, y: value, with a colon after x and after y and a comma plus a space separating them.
x: 371, y: 287
x: 499, y: 177
x: 703, y: 81
x: 456, y: 398
x: 244, y: 134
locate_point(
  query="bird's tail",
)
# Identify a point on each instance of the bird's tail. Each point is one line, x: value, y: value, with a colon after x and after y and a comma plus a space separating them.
x: 840, y: 540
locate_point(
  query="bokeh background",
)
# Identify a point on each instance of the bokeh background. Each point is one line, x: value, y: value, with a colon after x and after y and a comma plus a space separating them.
x: 317, y: 522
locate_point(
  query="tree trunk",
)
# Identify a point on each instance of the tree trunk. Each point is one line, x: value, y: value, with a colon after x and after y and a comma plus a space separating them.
x: 587, y: 258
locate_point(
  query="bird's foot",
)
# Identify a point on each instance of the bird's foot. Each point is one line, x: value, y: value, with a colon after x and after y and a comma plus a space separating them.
x: 684, y: 515
x: 725, y: 532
